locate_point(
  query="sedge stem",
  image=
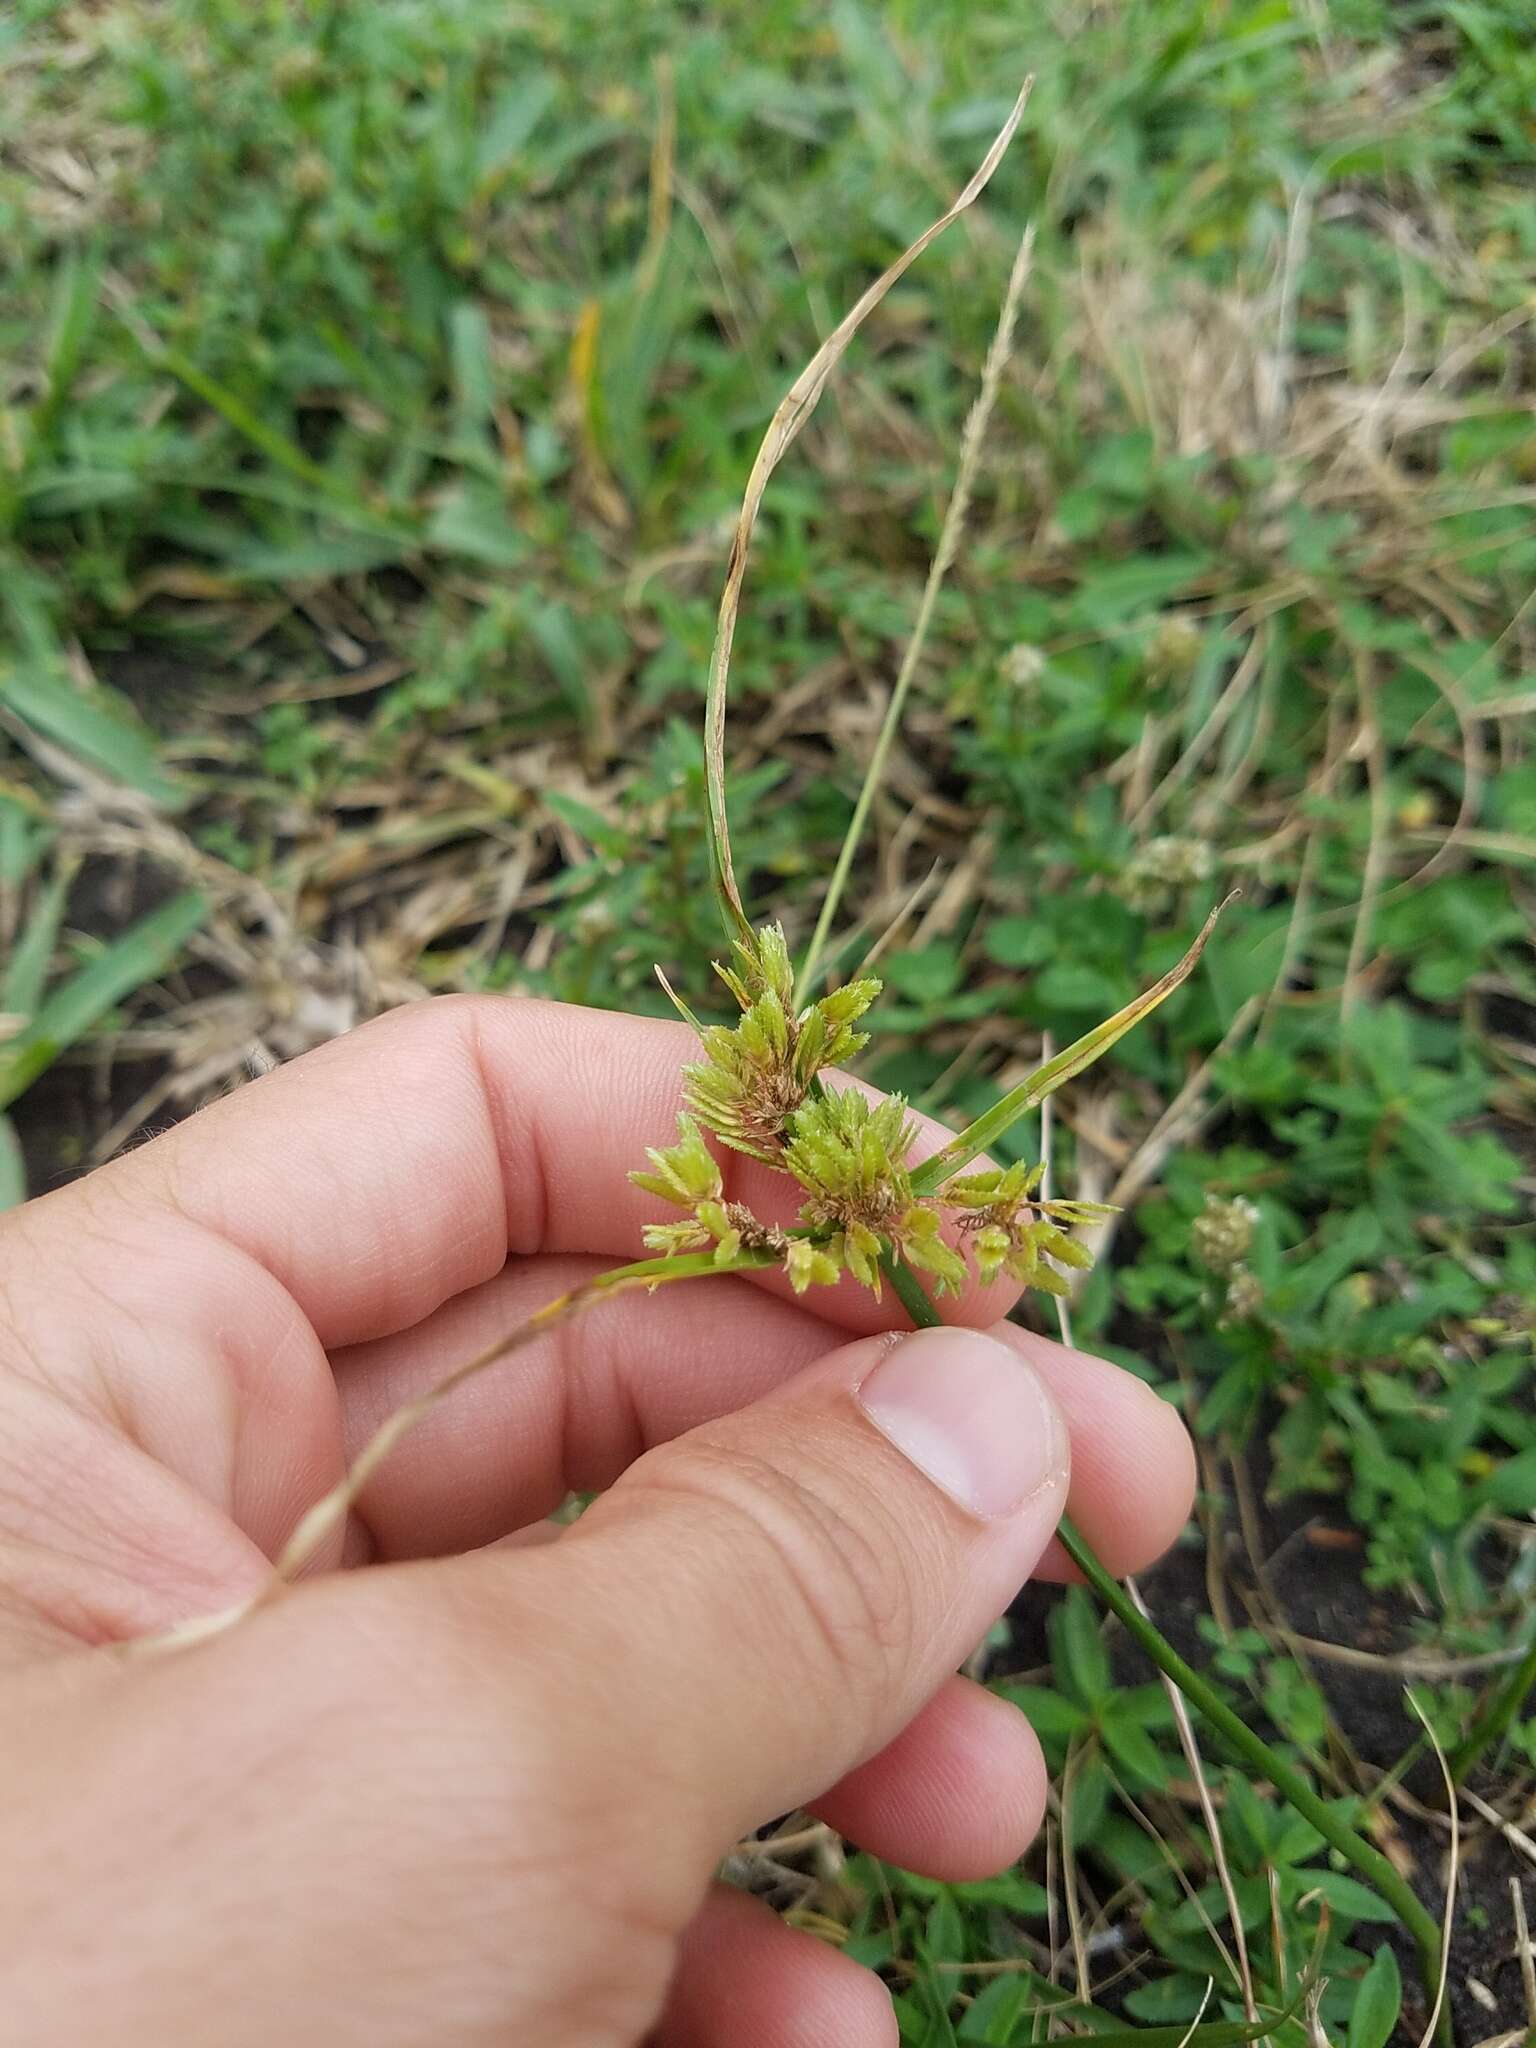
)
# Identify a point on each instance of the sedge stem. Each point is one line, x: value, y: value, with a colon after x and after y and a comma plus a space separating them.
x: 1252, y: 1748
x: 1203, y: 1695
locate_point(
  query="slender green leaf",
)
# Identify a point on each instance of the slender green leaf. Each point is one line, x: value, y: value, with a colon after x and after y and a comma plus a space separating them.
x: 1347, y: 1895
x: 141, y: 955
x: 511, y: 121
x: 1078, y: 1656
x: 13, y: 1168
x: 1048, y: 1712
x: 1082, y: 1053
x: 74, y: 309
x: 274, y: 444
x: 945, y: 1931
x: 474, y: 377
x: 23, y: 839
x: 1131, y: 1747
x: 999, y: 2013
x: 90, y: 725
x: 935, y: 1995
x: 1511, y: 1486
x: 26, y: 971
x: 1212, y: 2034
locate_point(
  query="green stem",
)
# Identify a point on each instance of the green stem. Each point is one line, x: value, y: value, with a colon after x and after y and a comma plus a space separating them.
x: 1286, y: 1779
x: 910, y: 1292
x: 1492, y: 1724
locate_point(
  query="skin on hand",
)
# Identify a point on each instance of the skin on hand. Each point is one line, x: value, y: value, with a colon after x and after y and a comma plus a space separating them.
x: 476, y: 1791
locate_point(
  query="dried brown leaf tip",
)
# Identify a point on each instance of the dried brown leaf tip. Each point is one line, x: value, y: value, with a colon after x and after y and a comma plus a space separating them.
x: 758, y: 1090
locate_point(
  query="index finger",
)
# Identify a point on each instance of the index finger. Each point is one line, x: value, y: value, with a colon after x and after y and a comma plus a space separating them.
x: 394, y: 1167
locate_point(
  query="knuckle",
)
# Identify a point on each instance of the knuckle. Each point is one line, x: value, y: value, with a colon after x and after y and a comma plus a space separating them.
x: 827, y: 1562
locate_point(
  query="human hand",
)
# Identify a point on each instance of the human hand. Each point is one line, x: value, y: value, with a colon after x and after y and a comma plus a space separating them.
x: 474, y: 1791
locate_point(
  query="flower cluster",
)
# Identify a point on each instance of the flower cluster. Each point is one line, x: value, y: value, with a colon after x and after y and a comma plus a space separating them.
x: 757, y: 1089
x: 851, y: 1156
x: 1220, y: 1239
x: 1174, y: 646
x: 1221, y: 1236
x: 754, y: 1075
x: 1152, y: 879
x: 1011, y: 1230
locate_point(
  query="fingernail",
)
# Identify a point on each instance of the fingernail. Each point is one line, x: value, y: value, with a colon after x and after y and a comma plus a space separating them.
x: 970, y: 1414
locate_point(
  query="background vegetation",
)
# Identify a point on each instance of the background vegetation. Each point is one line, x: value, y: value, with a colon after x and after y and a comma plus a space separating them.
x: 377, y: 385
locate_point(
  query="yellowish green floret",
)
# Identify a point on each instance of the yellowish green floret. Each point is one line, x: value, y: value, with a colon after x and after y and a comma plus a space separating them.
x: 685, y: 1173
x: 851, y: 1159
x: 757, y: 1089
x: 1012, y: 1231
x: 756, y: 1073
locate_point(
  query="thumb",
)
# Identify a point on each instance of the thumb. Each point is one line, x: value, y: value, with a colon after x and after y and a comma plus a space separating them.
x: 454, y: 1798
x: 780, y: 1591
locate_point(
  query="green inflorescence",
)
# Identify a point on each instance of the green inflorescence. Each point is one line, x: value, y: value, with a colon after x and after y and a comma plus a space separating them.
x: 758, y: 1090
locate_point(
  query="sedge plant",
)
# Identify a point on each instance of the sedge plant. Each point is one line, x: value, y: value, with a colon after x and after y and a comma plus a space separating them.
x: 764, y: 1085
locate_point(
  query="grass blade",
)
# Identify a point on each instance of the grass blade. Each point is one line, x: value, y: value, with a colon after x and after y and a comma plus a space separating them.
x: 1082, y: 1053
x: 1213, y: 2034
x: 141, y: 955
x: 276, y: 446
x: 91, y: 728
x: 13, y: 1168
x: 1492, y: 1724
x: 93, y: 724
x: 26, y: 972
x: 24, y: 837
x: 795, y: 408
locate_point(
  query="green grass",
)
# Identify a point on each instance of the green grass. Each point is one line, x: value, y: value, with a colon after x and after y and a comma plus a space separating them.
x: 380, y: 385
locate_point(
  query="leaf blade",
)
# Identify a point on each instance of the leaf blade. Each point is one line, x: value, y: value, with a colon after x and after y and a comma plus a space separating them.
x: 13, y: 1168
x: 1077, y: 1057
x: 1376, y: 2002
x: 138, y: 956
x: 26, y: 972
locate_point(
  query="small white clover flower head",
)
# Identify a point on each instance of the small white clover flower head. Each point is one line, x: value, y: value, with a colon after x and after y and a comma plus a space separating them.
x: 1023, y: 665
x: 1221, y: 1236
x: 1174, y: 646
x: 595, y: 920
x: 1157, y: 871
x: 1245, y: 1296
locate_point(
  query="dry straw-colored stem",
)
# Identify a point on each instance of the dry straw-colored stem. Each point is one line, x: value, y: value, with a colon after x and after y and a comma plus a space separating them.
x: 1375, y: 852
x: 971, y: 444
x: 796, y: 407
x: 1523, y: 1950
x: 1448, y: 1914
x: 1196, y: 1763
x: 330, y: 1512
x: 332, y: 1509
